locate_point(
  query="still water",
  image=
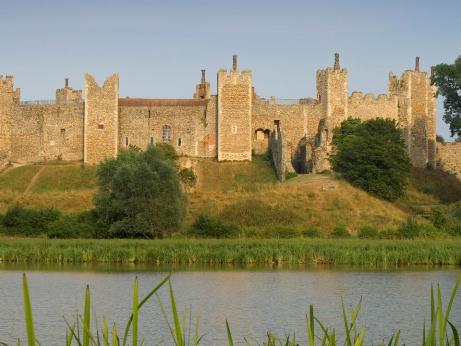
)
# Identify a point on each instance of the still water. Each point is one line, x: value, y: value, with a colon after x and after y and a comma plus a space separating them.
x: 253, y: 299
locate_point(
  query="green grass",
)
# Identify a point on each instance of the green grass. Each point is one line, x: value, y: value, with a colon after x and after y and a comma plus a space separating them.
x: 65, y: 178
x: 17, y: 178
x: 259, y: 251
x: 438, y: 332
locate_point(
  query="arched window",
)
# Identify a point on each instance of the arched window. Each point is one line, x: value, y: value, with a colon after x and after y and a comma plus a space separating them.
x: 166, y: 133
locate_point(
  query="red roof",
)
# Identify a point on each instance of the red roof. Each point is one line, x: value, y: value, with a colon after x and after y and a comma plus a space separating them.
x: 161, y: 102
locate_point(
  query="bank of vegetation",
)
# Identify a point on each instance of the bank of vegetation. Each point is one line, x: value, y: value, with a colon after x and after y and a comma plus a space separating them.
x: 186, y: 330
x: 379, y: 253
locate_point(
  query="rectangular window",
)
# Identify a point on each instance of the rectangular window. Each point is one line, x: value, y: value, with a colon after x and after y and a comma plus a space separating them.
x: 126, y: 141
x: 152, y: 141
x: 179, y: 142
x: 101, y: 126
x: 234, y: 129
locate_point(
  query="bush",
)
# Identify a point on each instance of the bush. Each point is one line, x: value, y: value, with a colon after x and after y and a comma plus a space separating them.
x: 389, y: 233
x: 368, y: 232
x: 209, y: 226
x: 372, y: 156
x: 311, y: 233
x: 438, y: 218
x: 290, y: 175
x: 187, y: 177
x: 25, y: 221
x: 139, y: 193
x: 340, y: 232
x: 410, y: 229
x: 83, y: 225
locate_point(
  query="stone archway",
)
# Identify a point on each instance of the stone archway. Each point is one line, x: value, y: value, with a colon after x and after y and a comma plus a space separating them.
x: 261, y: 141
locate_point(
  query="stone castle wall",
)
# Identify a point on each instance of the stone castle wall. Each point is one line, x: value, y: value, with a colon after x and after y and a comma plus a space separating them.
x: 449, y: 158
x: 366, y: 107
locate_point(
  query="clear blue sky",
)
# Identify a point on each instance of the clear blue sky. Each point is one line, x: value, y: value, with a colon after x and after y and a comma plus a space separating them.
x: 159, y: 47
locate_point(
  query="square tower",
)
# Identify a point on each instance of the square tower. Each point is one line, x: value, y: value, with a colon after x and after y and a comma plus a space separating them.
x: 100, y: 138
x: 234, y: 114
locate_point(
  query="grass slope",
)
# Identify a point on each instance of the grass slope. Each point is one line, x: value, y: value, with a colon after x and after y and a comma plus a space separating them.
x: 246, y: 193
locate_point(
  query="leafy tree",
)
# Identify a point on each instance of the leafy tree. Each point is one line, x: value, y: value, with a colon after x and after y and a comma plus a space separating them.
x: 447, y: 78
x: 139, y: 193
x: 371, y: 155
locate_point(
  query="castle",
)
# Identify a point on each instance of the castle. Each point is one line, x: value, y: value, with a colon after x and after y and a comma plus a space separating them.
x: 229, y: 126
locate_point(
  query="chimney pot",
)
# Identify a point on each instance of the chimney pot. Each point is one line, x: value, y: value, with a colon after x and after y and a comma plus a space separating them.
x: 234, y: 62
x: 417, y: 64
x: 66, y: 82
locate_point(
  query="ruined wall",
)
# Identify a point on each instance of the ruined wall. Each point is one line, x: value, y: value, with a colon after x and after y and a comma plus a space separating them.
x: 181, y: 123
x: 449, y: 158
x: 101, y: 119
x: 366, y: 107
x: 47, y: 132
x: 234, y: 114
x: 68, y: 95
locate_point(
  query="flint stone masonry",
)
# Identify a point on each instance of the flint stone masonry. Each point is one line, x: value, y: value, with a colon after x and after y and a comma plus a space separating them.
x: 229, y: 126
x: 449, y: 158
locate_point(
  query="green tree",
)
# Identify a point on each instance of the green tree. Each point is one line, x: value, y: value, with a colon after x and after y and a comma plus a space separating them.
x: 447, y: 78
x: 139, y: 193
x: 371, y: 155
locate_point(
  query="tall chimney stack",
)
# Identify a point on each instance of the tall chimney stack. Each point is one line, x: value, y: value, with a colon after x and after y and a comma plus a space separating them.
x: 66, y: 82
x: 234, y: 62
x: 203, y: 77
x: 336, y: 66
x: 417, y: 64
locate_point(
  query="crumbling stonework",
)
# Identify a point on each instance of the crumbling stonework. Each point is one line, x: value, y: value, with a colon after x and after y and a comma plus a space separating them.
x: 231, y: 125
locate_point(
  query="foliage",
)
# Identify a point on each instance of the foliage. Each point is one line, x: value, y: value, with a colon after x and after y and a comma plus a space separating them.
x: 139, y: 193
x: 340, y: 232
x: 187, y: 177
x: 447, y: 78
x: 410, y: 229
x: 443, y: 186
x: 439, y: 139
x: 82, y: 225
x: 368, y: 232
x: 27, y: 221
x: 282, y: 232
x: 439, y: 332
x: 246, y: 251
x: 311, y: 233
x: 290, y: 175
x: 208, y: 226
x: 372, y: 156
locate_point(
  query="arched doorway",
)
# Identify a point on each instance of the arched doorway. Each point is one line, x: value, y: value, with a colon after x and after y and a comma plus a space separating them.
x: 261, y: 141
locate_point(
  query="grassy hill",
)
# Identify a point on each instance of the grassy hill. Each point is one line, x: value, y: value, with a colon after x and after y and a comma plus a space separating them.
x: 246, y: 193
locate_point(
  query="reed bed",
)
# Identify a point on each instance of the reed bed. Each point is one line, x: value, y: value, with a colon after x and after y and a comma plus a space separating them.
x: 234, y: 251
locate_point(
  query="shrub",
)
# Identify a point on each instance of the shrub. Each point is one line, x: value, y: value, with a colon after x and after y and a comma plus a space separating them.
x: 187, y: 177
x: 389, y: 233
x: 139, y: 193
x: 26, y: 221
x: 83, y: 225
x: 311, y: 233
x: 410, y: 229
x: 340, y: 232
x: 208, y: 226
x: 372, y: 156
x: 438, y: 218
x: 368, y: 232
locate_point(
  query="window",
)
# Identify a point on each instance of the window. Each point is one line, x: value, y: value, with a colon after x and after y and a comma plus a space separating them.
x: 276, y: 123
x: 101, y: 126
x: 152, y: 141
x: 126, y: 141
x: 166, y: 133
x: 63, y: 133
x: 234, y: 129
x: 179, y: 142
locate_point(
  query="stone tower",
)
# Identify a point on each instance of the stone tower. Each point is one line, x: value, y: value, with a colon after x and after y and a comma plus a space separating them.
x: 100, y: 139
x: 417, y: 112
x: 9, y: 98
x: 234, y: 114
x: 332, y: 94
x: 67, y: 94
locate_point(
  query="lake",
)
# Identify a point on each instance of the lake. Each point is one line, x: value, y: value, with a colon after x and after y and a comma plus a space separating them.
x: 253, y: 299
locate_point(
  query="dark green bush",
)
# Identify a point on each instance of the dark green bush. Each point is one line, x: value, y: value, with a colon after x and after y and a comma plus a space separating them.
x: 372, y: 156
x: 368, y: 232
x: 311, y: 233
x: 187, y: 177
x: 340, y: 232
x: 209, y: 226
x: 27, y: 221
x: 290, y: 175
x: 83, y: 225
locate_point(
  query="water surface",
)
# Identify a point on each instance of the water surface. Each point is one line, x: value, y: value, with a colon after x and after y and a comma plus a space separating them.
x: 253, y: 299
